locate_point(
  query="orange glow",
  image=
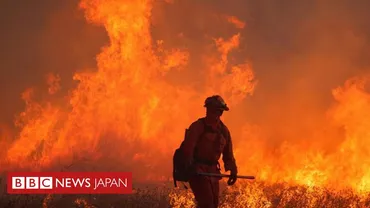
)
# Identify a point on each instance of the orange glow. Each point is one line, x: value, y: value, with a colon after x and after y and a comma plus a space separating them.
x: 125, y: 109
x: 131, y: 111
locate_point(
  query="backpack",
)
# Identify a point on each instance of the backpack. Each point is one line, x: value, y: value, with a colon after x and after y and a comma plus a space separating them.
x: 180, y: 172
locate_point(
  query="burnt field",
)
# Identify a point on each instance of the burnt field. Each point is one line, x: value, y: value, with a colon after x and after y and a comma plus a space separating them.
x: 250, y: 194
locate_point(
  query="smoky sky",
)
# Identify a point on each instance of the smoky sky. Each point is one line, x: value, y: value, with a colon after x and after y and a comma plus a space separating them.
x: 299, y: 50
x: 40, y: 37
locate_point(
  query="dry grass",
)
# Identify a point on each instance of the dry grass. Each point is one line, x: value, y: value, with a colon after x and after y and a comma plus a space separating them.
x: 153, y: 198
x: 250, y: 194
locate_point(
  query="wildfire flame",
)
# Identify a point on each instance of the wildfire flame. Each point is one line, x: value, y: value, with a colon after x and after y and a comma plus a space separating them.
x: 338, y: 169
x: 129, y: 109
x: 130, y: 112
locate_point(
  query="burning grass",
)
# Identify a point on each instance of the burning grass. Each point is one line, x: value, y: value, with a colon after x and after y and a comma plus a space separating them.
x: 244, y: 194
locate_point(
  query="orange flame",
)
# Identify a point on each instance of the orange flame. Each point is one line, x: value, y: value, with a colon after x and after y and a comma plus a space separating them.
x: 345, y: 167
x: 236, y: 22
x: 130, y: 110
x: 53, y: 83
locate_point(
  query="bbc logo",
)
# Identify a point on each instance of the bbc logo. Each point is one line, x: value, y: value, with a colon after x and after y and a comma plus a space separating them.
x: 32, y: 182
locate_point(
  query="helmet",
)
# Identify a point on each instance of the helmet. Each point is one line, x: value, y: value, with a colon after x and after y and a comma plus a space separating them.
x: 216, y: 101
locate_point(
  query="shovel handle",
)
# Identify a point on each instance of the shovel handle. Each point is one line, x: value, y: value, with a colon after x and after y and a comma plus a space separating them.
x: 225, y: 175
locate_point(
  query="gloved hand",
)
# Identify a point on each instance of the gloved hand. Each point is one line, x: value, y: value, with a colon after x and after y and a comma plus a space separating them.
x: 232, y: 178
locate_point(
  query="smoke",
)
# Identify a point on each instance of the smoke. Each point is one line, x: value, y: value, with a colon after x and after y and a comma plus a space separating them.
x: 39, y: 38
x: 299, y: 50
x: 307, y: 50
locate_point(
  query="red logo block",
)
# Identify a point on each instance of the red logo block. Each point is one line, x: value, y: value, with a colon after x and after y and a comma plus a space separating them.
x: 69, y: 183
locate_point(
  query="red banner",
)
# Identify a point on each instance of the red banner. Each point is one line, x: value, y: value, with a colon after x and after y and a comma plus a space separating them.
x: 69, y: 183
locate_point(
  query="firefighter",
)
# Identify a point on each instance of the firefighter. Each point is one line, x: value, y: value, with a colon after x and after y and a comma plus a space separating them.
x: 207, y: 139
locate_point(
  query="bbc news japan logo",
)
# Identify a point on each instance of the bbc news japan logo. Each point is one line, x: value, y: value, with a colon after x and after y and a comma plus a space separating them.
x: 32, y: 182
x: 69, y: 183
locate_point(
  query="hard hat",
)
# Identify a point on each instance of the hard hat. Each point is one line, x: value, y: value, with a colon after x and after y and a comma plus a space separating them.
x: 217, y: 102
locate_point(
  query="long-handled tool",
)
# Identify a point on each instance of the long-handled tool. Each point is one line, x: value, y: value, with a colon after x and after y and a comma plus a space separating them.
x: 225, y: 175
